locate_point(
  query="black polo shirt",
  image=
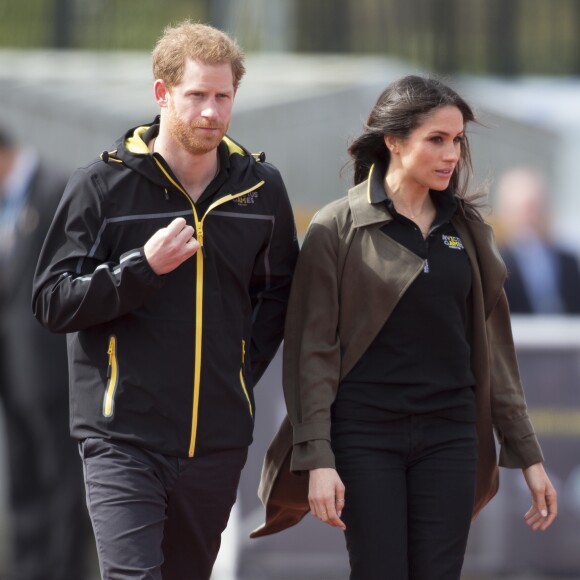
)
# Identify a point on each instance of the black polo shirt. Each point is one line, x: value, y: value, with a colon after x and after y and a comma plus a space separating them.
x: 420, y: 360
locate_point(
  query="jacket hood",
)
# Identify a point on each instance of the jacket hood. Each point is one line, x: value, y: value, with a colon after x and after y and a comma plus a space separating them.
x: 132, y: 150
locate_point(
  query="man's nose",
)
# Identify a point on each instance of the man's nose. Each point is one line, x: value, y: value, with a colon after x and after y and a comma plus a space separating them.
x: 210, y: 109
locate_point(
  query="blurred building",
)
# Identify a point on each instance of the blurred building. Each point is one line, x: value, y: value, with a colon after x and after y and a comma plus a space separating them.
x: 301, y: 110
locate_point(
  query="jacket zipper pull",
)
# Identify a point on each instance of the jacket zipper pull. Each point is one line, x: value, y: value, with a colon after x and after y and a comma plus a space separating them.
x: 200, y: 238
x: 166, y: 194
x: 110, y: 353
x: 243, y: 351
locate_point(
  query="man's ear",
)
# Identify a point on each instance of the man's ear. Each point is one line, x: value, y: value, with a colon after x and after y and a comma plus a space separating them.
x: 161, y: 92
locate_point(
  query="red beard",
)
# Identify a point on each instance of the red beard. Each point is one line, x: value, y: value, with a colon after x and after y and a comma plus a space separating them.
x: 191, y: 138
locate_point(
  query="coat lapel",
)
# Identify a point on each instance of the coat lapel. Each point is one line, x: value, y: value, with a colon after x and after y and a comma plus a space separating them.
x: 383, y: 270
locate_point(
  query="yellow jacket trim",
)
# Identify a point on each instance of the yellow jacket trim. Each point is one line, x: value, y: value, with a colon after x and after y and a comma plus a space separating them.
x: 233, y: 147
x: 135, y: 143
x: 242, y: 381
x: 113, y: 375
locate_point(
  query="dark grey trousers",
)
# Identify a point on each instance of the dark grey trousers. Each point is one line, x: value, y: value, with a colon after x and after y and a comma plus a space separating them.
x: 156, y: 516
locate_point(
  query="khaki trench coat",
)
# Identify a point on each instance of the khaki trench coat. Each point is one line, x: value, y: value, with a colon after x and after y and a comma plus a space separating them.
x: 349, y: 277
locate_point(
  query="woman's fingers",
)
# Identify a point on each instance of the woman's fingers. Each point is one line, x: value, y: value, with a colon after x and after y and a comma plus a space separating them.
x: 340, y: 504
x: 326, y: 496
x: 544, y: 498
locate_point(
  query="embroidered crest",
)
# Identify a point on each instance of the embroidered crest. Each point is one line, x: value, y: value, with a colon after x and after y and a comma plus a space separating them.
x: 452, y: 242
x: 248, y: 199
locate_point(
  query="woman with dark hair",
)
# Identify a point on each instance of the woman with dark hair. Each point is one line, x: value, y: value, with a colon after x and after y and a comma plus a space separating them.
x: 398, y: 357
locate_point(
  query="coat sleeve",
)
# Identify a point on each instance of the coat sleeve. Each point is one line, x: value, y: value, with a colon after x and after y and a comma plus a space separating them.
x: 77, y: 283
x: 312, y: 348
x: 270, y: 283
x: 519, y: 447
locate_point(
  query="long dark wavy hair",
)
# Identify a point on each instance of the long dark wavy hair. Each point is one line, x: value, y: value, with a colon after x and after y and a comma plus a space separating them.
x: 400, y: 109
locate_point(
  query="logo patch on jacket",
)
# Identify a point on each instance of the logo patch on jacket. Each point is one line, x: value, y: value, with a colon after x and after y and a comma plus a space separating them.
x: 247, y: 199
x: 452, y: 242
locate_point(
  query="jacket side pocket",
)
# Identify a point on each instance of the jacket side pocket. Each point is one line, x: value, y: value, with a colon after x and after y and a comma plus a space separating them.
x: 242, y: 381
x: 112, y: 378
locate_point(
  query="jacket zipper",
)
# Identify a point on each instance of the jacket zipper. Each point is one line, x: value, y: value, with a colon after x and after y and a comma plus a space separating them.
x: 113, y: 378
x: 199, y: 293
x: 242, y: 381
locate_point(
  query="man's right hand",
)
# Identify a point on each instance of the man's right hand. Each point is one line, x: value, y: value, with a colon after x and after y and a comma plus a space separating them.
x: 169, y: 247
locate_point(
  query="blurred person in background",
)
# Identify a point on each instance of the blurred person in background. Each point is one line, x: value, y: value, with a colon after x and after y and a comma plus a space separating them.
x: 47, y: 518
x: 169, y: 265
x: 399, y: 362
x: 543, y: 278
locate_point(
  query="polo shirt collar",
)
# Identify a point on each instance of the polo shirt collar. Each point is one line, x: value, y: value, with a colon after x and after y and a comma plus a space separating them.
x: 370, y: 204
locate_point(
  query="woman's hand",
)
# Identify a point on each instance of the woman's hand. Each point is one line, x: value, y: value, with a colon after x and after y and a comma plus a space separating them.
x: 326, y: 496
x: 544, y: 498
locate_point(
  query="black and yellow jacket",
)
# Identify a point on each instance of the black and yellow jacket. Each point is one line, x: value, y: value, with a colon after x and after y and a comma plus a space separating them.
x: 167, y: 362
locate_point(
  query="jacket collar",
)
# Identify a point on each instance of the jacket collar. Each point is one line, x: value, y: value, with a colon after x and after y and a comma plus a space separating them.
x: 365, y: 201
x: 237, y: 165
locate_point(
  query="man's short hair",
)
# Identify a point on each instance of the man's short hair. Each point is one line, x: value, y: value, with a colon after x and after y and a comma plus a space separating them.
x: 200, y: 42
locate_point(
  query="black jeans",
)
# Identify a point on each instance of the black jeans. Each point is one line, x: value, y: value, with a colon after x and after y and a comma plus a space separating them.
x: 410, y: 487
x: 155, y: 516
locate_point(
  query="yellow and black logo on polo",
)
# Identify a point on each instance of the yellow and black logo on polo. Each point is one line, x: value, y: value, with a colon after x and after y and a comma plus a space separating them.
x: 452, y: 242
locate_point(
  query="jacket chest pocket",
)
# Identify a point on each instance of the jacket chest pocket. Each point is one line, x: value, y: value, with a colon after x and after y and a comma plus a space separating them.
x: 112, y: 378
